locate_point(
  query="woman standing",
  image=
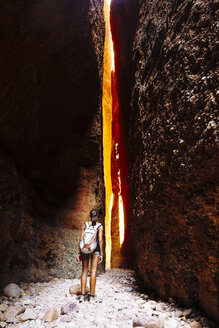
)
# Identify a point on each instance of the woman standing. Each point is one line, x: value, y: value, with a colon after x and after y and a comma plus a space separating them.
x: 96, y: 257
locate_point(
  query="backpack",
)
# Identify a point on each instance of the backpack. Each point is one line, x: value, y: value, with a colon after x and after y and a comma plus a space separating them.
x: 89, y: 242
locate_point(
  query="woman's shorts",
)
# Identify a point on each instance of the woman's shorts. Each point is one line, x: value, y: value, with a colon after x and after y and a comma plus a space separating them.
x: 95, y: 253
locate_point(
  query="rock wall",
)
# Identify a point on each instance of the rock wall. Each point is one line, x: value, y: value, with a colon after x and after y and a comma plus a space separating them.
x: 171, y: 64
x: 50, y: 133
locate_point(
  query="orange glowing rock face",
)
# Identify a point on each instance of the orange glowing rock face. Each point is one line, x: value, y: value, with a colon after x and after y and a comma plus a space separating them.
x: 120, y: 185
x: 107, y: 130
x: 114, y: 158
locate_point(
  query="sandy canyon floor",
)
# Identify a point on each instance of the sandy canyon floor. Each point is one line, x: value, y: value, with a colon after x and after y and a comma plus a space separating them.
x: 119, y: 304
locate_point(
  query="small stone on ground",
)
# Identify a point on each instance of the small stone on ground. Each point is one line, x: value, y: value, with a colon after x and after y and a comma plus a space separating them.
x: 12, y: 290
x: 50, y: 315
x: 29, y: 314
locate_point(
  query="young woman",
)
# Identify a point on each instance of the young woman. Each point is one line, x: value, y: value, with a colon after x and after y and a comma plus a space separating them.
x: 96, y: 257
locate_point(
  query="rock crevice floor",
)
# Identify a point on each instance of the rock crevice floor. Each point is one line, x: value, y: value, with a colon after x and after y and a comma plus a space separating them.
x: 119, y: 304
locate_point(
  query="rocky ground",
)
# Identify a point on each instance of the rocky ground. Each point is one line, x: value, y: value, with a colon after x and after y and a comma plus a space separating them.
x: 119, y: 303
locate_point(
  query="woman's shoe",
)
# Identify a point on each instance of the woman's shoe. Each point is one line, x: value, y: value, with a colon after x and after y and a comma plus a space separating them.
x: 81, y: 298
x: 91, y: 298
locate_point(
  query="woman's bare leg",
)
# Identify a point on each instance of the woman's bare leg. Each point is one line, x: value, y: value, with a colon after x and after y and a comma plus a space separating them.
x: 93, y: 273
x: 85, y: 263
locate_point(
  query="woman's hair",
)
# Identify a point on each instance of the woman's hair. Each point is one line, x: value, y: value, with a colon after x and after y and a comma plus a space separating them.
x: 93, y: 213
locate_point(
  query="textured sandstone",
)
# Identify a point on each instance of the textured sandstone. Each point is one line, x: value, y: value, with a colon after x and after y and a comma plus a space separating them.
x: 172, y: 114
x: 42, y: 250
x: 50, y: 133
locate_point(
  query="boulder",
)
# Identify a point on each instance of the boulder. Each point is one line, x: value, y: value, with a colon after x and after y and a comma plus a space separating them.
x: 154, y: 323
x: 29, y: 314
x: 171, y: 323
x: 3, y: 307
x: 147, y: 322
x: 138, y: 322
x: 12, y: 290
x: 12, y: 312
x: 68, y: 308
x: 50, y: 315
x: 195, y: 324
x: 178, y: 313
x: 66, y: 318
x: 75, y: 289
x: 2, y: 317
x: 28, y: 301
x: 187, y: 313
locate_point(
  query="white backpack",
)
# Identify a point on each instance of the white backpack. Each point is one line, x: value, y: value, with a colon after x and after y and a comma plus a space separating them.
x: 89, y: 242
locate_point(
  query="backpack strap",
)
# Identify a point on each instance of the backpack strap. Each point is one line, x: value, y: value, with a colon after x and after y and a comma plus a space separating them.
x: 98, y: 225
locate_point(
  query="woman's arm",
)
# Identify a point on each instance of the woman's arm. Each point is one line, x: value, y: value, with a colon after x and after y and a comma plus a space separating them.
x: 101, y: 243
x: 81, y: 237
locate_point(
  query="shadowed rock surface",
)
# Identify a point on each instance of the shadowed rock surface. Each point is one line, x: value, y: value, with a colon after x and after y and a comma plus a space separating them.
x: 50, y: 132
x: 172, y: 143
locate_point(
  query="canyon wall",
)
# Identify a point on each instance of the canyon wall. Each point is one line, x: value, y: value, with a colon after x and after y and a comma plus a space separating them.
x: 50, y: 133
x: 166, y: 54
